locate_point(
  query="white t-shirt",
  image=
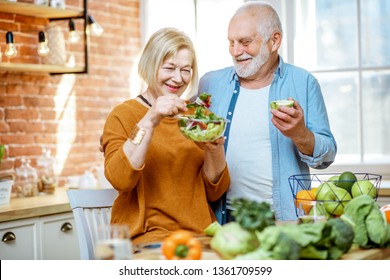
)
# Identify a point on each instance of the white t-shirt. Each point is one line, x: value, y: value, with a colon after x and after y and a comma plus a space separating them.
x: 248, y: 154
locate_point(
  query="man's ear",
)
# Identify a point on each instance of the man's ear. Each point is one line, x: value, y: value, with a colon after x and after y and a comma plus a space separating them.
x: 276, y: 40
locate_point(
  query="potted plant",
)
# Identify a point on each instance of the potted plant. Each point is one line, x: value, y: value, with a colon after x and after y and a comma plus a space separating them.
x: 6, y: 182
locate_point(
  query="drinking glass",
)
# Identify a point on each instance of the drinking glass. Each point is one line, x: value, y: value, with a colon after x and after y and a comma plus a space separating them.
x: 311, y: 212
x: 113, y: 243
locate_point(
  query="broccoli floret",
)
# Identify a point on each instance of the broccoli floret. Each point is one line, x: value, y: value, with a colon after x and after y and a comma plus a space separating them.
x: 341, y: 237
x: 280, y: 242
x: 253, y: 215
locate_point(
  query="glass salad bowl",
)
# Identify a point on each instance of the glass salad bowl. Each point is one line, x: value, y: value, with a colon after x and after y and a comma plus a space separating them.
x: 199, y: 124
x: 202, y: 130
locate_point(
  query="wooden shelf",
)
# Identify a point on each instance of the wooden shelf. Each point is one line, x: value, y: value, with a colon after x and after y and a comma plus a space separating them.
x: 37, y: 10
x: 40, y: 11
x: 53, y: 69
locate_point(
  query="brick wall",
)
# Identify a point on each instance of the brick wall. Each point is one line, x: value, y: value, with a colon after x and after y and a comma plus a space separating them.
x: 66, y: 113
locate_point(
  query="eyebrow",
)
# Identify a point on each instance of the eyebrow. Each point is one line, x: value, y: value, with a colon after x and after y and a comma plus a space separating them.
x: 173, y: 64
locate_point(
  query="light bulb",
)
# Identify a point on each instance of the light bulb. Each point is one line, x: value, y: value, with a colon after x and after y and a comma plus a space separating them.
x: 10, y: 50
x: 43, y: 49
x: 94, y: 28
x: 73, y: 36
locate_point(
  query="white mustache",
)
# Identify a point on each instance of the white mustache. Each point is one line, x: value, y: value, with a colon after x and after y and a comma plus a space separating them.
x: 244, y: 57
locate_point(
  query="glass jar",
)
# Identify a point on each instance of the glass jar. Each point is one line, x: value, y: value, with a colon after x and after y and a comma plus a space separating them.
x: 47, y: 179
x: 26, y: 179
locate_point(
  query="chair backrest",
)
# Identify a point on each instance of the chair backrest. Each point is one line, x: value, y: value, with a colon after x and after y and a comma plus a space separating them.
x: 91, y: 208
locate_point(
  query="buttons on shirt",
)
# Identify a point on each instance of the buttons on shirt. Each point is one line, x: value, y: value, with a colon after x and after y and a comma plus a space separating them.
x: 229, y: 113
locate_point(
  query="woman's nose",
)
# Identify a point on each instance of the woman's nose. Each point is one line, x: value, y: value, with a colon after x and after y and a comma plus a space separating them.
x: 176, y: 76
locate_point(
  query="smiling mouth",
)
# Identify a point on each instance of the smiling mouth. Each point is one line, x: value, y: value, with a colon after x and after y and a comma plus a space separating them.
x: 241, y: 60
x: 172, y: 87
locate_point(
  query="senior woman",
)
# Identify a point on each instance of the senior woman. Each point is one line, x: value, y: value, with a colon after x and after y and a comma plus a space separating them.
x: 165, y: 181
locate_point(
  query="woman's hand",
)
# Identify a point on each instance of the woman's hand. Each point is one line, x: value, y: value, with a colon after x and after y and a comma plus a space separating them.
x: 167, y: 105
x: 211, y: 146
x: 214, y: 158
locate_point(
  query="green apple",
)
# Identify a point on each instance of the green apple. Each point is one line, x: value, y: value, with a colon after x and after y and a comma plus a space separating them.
x: 363, y: 187
x: 335, y: 200
x: 334, y: 179
x: 277, y: 103
x: 323, y: 189
x: 346, y: 180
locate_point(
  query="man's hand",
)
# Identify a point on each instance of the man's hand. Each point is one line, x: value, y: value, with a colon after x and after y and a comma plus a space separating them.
x: 291, y: 123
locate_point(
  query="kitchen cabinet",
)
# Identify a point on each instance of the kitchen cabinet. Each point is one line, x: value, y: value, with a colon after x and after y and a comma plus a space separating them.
x: 58, y: 237
x: 38, y: 227
x: 50, y: 237
x: 50, y: 13
x: 19, y: 240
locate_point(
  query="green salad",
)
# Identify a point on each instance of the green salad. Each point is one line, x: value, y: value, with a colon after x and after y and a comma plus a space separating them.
x: 202, y: 125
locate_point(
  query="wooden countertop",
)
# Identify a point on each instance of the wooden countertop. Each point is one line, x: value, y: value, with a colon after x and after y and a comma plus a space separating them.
x: 354, y: 253
x: 40, y: 205
x: 384, y: 192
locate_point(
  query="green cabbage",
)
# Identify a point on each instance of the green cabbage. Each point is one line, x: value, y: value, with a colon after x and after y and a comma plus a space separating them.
x: 232, y: 240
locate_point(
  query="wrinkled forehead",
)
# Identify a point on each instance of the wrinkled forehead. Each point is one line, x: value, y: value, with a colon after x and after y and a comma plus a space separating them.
x: 242, y: 27
x: 182, y: 58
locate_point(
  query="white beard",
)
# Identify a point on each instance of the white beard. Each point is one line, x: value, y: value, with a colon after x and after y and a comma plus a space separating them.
x: 246, y: 71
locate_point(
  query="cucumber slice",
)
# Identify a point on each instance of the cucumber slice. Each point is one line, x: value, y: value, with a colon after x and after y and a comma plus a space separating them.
x: 276, y: 104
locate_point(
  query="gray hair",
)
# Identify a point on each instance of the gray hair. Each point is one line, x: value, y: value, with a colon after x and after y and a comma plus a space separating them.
x: 267, y: 18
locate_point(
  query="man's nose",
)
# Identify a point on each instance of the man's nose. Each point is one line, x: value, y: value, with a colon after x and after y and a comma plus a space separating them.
x: 236, y: 49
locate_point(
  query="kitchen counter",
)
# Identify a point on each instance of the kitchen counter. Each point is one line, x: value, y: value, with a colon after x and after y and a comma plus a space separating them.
x: 40, y: 205
x: 48, y: 204
x: 354, y: 253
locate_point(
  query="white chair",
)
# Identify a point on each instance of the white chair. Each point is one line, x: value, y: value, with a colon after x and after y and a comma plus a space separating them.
x: 91, y: 208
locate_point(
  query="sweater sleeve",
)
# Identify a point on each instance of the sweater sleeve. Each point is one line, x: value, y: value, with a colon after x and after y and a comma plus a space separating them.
x: 118, y: 170
x: 214, y: 191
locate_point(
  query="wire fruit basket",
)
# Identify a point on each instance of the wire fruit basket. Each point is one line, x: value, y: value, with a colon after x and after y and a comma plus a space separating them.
x: 334, y: 192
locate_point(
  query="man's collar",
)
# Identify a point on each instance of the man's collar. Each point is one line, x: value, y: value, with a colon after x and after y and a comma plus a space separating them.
x: 281, y: 68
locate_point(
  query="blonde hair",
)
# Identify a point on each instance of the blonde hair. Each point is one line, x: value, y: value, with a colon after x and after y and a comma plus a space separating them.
x: 163, y: 44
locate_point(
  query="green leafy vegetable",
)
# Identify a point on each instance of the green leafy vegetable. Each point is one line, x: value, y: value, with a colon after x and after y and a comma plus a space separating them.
x: 253, y: 215
x: 233, y: 240
x: 370, y: 227
x: 280, y: 243
x: 1, y: 152
x: 202, y: 125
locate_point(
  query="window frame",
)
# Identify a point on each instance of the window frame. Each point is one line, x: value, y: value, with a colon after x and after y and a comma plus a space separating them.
x: 287, y: 11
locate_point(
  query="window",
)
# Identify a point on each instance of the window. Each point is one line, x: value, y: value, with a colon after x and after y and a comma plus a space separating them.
x: 345, y: 44
x: 205, y: 21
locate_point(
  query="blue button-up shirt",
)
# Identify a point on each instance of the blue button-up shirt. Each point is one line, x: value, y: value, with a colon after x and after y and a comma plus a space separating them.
x: 287, y: 160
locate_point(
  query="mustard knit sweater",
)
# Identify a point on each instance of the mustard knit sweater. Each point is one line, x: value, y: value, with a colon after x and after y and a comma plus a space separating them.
x: 170, y: 191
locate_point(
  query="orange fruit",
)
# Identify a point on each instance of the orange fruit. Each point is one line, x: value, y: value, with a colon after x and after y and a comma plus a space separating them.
x: 386, y: 210
x: 314, y: 191
x: 305, y: 196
